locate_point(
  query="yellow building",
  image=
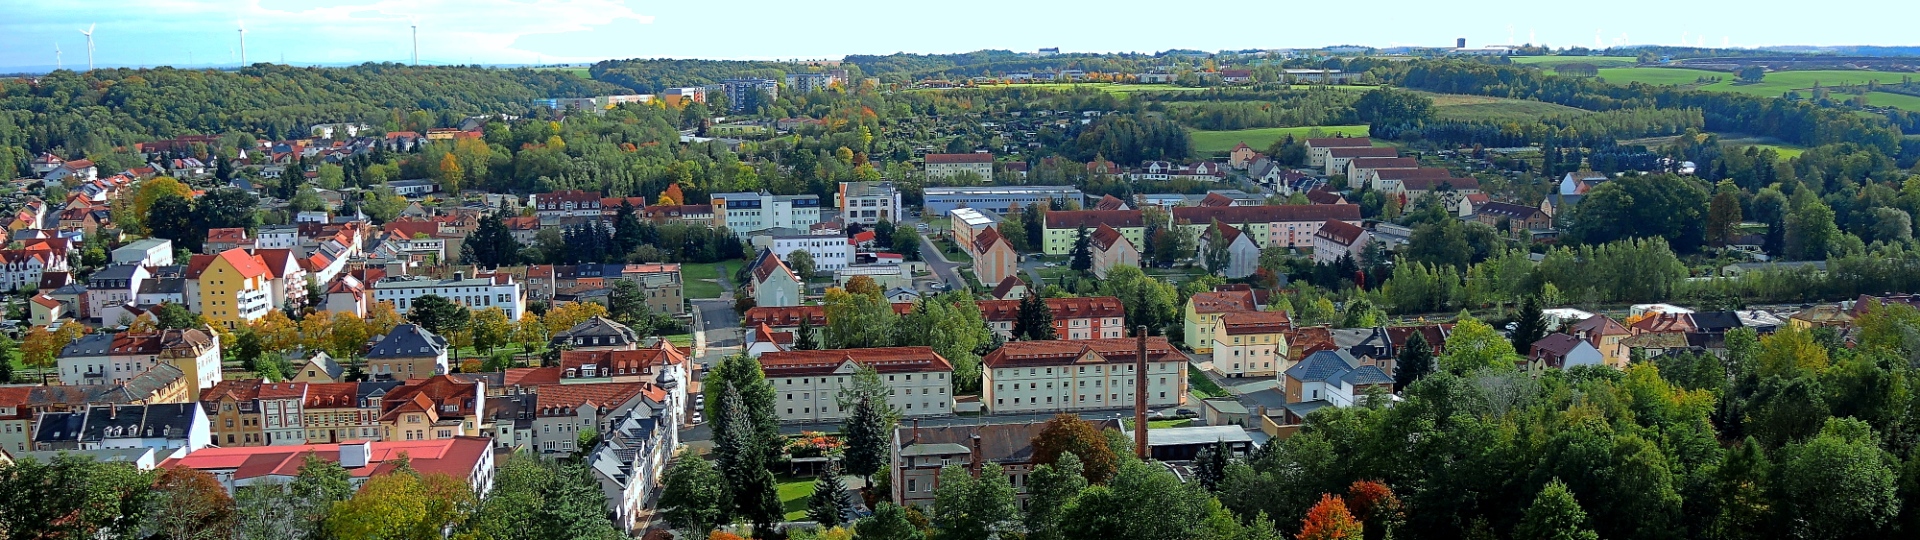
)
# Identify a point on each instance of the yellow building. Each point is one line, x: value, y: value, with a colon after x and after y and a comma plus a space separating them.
x: 1251, y: 343
x: 1204, y: 310
x: 232, y: 287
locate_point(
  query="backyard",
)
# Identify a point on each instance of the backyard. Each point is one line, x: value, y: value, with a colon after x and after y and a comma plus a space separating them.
x: 1202, y: 386
x: 700, y: 279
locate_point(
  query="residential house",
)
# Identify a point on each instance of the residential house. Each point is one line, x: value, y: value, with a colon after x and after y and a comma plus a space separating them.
x: 479, y: 292
x: 1606, y: 335
x: 563, y: 411
x: 994, y: 259
x: 1081, y: 318
x: 1562, y: 351
x: 807, y: 384
x: 1061, y: 376
x: 286, y: 280
x: 948, y: 166
x: 598, y: 334
x: 345, y: 411
x: 1820, y: 316
x: 1243, y: 255
x: 920, y: 453
x: 1329, y: 379
x: 223, y: 239
x: 1062, y: 228
x: 1340, y: 240
x: 159, y: 426
x: 868, y: 203
x: 1251, y: 343
x: 407, y: 352
x: 1286, y: 226
x: 1317, y: 149
x: 1111, y: 250
x: 1336, y: 159
x: 1359, y: 170
x: 111, y: 289
x: 1517, y: 219
x: 775, y: 285
x: 1203, y: 311
x: 319, y: 367
x: 438, y: 407
x: 631, y: 459
x: 230, y: 288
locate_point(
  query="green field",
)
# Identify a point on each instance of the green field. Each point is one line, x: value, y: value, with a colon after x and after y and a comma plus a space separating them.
x: 576, y: 71
x: 1198, y: 384
x: 1121, y: 90
x: 1209, y: 142
x: 1471, y: 108
x: 698, y: 279
x: 1775, y: 84
x: 1660, y: 76
x: 1888, y: 99
x: 1597, y: 61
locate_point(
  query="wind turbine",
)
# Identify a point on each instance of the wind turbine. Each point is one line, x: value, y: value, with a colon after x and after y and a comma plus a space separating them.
x: 57, y: 64
x: 89, y: 33
x: 243, y: 43
x: 415, y: 25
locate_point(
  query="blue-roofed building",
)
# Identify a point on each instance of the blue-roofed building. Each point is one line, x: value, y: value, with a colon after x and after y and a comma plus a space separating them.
x: 1330, y: 379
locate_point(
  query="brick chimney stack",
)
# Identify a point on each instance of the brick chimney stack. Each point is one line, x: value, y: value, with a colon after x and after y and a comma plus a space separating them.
x: 1140, y: 395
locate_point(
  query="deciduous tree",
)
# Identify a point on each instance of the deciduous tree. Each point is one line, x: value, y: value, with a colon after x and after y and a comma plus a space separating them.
x: 1067, y: 433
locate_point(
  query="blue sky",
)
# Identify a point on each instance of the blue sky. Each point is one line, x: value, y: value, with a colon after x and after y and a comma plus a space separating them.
x: 203, y: 32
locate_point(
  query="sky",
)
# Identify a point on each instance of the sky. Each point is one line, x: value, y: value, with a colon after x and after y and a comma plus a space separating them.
x: 138, y: 33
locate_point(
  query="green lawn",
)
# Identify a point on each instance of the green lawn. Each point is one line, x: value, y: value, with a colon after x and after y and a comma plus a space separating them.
x: 794, y: 492
x: 1657, y: 75
x: 1159, y: 424
x: 1774, y: 84
x: 1206, y: 142
x: 1201, y: 386
x: 1889, y: 99
x: 1463, y: 107
x: 1597, y: 61
x: 952, y: 250
x: 698, y: 279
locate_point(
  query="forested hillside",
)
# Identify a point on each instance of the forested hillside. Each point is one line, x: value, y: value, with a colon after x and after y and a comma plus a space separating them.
x: 85, y: 113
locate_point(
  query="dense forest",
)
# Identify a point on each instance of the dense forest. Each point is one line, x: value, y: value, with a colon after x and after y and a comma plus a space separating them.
x: 76, y: 114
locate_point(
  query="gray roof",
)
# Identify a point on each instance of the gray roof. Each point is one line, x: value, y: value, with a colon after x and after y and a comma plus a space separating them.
x: 1181, y: 436
x: 155, y: 379
x: 103, y: 455
x: 115, y: 272
x: 1336, y: 366
x: 597, y: 326
x: 408, y: 341
x: 1226, y: 406
x: 94, y: 344
x: 172, y: 285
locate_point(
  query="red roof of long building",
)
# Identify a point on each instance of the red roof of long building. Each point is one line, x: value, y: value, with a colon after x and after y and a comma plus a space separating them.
x: 826, y: 362
x: 1074, y: 219
x: 1056, y: 352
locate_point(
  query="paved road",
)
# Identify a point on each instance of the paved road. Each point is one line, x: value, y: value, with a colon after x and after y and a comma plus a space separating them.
x: 947, y: 271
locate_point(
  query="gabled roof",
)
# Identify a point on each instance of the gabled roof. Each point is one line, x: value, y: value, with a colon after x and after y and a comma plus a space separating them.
x: 1006, y: 286
x: 1216, y: 200
x: 985, y: 241
x: 827, y: 362
x: 1555, y: 344
x: 770, y: 266
x: 1100, y: 351
x: 1267, y: 214
x: 959, y: 158
x: 1342, y: 142
x: 1074, y: 219
x: 408, y: 341
x: 1596, y: 326
x: 1255, y: 322
x: 1109, y: 202
x: 1340, y: 232
x: 564, y: 399
x: 1222, y: 301
x: 1105, y: 238
x: 239, y: 259
x: 785, y: 316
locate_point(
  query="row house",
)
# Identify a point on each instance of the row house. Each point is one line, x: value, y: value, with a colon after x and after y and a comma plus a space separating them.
x: 1062, y: 376
x: 21, y: 269
x: 1336, y: 159
x: 807, y: 384
x: 631, y: 460
x: 469, y: 459
x: 1318, y: 148
x: 1359, y: 170
x: 345, y: 411
x: 558, y: 205
x: 157, y: 426
x: 438, y: 407
x: 1085, y: 318
x: 1062, y: 228
x: 1204, y: 310
x: 562, y: 412
x: 498, y: 290
x: 20, y: 406
x: 1284, y: 226
x: 110, y: 290
x: 829, y: 252
x: 1251, y: 343
x: 1204, y: 171
x: 116, y: 358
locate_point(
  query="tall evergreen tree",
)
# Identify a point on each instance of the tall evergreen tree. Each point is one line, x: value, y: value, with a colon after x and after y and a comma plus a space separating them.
x: 867, y: 439
x: 829, y: 504
x: 742, y: 458
x: 1035, y: 321
x: 1415, y: 361
x: 1082, y: 251
x: 804, y: 338
x: 1210, y: 466
x: 491, y: 244
x: 1530, y: 325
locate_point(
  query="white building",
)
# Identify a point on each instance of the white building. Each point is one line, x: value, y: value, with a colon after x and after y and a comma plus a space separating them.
x: 746, y: 213
x: 276, y: 237
x: 944, y: 166
x: 1060, y: 376
x: 868, y: 203
x: 146, y: 252
x: 475, y: 293
x: 806, y: 384
x: 829, y: 252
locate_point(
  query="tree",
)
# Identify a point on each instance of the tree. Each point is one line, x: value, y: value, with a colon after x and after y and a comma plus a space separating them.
x: 1530, y: 324
x: 1379, y: 511
x: 1210, y: 466
x: 450, y: 174
x: 1839, y: 484
x: 802, y: 263
x: 491, y: 244
x: 171, y: 217
x: 1329, y: 520
x: 806, y: 337
x: 491, y: 328
x: 1643, y: 206
x: 1475, y: 345
x: 1067, y: 433
x: 175, y: 316
x: 628, y: 305
x: 402, y: 506
x: 969, y: 508
x: 1723, y: 214
x: 829, y: 504
x: 73, y: 496
x: 1750, y: 74
x: 189, y: 504
x: 888, y: 522
x: 1555, y: 515
x: 1811, y: 231
x: 437, y: 314
x: 1144, y: 501
x: 1082, y: 254
x: 224, y: 208
x: 694, y: 498
x: 859, y: 319
x: 868, y: 438
x: 1051, y: 489
x: 1217, y: 254
x: 1035, y: 320
x: 741, y: 453
x: 906, y: 242
x: 41, y: 346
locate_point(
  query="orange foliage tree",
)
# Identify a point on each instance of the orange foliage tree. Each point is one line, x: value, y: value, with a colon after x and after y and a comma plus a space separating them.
x: 1329, y: 520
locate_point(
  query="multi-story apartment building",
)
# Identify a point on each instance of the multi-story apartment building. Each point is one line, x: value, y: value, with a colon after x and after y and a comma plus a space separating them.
x: 806, y: 384
x: 1251, y: 343
x: 229, y: 288
x: 1063, y: 376
x: 117, y: 358
x: 807, y: 83
x: 943, y: 199
x: 498, y: 290
x: 439, y: 407
x: 741, y: 92
x: 1082, y: 318
x: 1317, y: 148
x: 1063, y: 227
x: 340, y: 412
x: 1203, y: 311
x: 1285, y: 226
x: 233, y: 411
x: 572, y: 203
x: 829, y: 251
x: 563, y: 411
x: 948, y: 166
x: 282, y: 418
x: 745, y: 213
x: 868, y: 203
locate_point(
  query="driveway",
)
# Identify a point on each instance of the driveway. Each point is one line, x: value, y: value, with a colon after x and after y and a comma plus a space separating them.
x: 947, y: 271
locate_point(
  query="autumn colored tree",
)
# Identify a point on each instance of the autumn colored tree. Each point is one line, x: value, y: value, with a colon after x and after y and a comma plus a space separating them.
x: 1329, y: 520
x: 381, y: 318
x: 152, y: 190
x: 862, y: 285
x: 402, y: 506
x: 1067, y: 433
x: 491, y: 329
x: 1790, y: 351
x: 275, y: 331
x: 450, y: 174
x: 350, y: 333
x: 42, y: 346
x: 564, y: 316
x: 1379, y: 511
x: 530, y: 332
x: 316, y: 332
x: 189, y: 504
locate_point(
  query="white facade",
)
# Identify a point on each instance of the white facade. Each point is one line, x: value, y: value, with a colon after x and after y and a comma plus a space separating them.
x: 277, y: 238
x: 829, y: 252
x: 868, y: 203
x: 806, y: 384
x: 145, y: 252
x: 745, y: 213
x: 1089, y: 385
x: 475, y: 293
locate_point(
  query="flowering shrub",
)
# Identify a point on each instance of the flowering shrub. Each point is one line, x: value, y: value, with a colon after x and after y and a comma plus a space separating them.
x: 813, y: 444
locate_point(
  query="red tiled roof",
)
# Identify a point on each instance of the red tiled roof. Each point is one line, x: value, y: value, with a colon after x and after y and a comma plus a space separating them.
x: 768, y: 266
x: 275, y: 260
x: 562, y: 399
x: 456, y: 457
x: 1340, y: 232
x: 1006, y: 286
x: 1256, y: 322
x: 1097, y: 307
x: 1430, y: 184
x: 343, y: 395
x: 1055, y: 352
x: 538, y: 376
x: 1385, y: 163
x: 1074, y: 219
x: 227, y: 234
x: 984, y: 241
x: 431, y: 394
x: 1222, y: 301
x: 1105, y: 238
x: 826, y: 362
x: 1320, y: 196
x: 1216, y: 200
x: 1228, y: 232
x: 781, y: 317
x: 1408, y: 174
x: 1360, y: 152
x: 614, y: 363
x: 959, y: 158
x: 1304, y: 341
x: 284, y: 390
x: 1109, y: 202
